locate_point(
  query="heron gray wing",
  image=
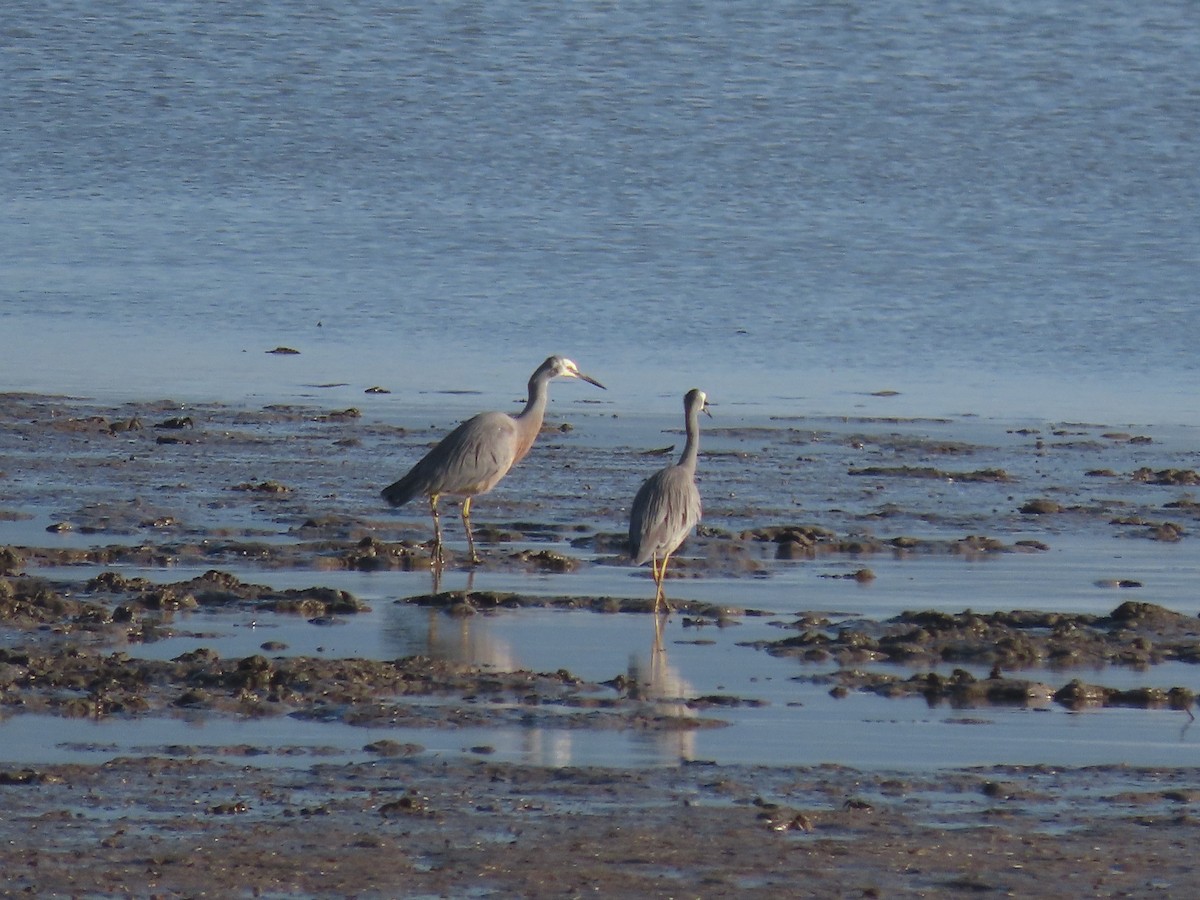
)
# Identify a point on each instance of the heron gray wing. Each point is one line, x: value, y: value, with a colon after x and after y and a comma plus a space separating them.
x: 473, y: 457
x: 664, y: 511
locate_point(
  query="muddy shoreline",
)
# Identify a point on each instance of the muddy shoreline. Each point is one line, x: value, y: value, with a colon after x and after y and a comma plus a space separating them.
x: 243, y: 495
x: 411, y: 827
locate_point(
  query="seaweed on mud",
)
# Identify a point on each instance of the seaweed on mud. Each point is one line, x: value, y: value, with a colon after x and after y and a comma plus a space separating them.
x: 75, y: 682
x: 979, y: 475
x: 1134, y: 634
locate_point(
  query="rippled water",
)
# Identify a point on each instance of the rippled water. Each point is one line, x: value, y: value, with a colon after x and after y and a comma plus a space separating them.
x: 987, y: 209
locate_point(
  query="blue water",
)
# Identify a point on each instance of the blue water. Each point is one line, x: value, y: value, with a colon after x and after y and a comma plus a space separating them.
x: 987, y: 208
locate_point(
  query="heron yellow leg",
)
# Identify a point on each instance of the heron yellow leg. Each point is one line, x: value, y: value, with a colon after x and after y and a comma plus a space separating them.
x: 657, y: 580
x: 666, y: 602
x: 438, y: 555
x: 466, y: 516
x: 660, y: 574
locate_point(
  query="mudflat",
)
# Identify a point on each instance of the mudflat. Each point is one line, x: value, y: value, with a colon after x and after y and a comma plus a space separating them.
x: 162, y: 564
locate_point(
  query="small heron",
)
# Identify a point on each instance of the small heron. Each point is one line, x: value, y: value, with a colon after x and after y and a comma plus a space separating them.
x: 667, y: 506
x: 472, y: 458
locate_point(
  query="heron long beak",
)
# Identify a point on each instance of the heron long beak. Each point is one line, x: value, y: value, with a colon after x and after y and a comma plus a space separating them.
x: 590, y: 380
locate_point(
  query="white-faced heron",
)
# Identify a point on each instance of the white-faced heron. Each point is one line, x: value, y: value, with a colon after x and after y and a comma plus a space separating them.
x: 473, y: 458
x: 667, y: 506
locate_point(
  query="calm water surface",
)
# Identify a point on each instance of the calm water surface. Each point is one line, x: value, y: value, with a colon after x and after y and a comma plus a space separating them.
x: 987, y: 209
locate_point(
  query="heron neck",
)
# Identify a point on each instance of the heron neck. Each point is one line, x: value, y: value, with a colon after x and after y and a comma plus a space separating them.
x: 535, y: 406
x: 691, y: 449
x: 529, y: 420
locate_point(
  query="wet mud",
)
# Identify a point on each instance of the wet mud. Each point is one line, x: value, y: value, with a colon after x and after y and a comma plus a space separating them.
x: 244, y: 494
x: 1135, y: 634
x: 177, y: 826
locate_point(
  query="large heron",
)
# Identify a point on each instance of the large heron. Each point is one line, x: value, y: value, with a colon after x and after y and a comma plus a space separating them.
x: 667, y: 506
x: 473, y: 458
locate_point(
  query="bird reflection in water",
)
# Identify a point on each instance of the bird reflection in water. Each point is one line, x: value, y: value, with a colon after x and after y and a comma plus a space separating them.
x: 658, y: 685
x: 652, y: 722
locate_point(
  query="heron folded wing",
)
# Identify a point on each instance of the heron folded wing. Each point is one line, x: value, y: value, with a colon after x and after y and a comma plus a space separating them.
x: 665, y: 510
x: 477, y: 454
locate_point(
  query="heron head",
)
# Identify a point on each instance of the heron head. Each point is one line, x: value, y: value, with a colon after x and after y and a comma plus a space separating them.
x: 561, y: 366
x: 696, y: 399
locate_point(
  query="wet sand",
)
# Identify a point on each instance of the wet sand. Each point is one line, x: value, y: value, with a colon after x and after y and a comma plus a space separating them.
x: 218, y: 503
x: 406, y: 827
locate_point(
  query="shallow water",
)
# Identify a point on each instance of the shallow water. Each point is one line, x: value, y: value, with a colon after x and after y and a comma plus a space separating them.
x: 63, y: 465
x: 810, y: 728
x: 799, y: 722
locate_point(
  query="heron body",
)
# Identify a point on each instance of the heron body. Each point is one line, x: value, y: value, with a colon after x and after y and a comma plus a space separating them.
x: 667, y: 506
x: 475, y: 456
